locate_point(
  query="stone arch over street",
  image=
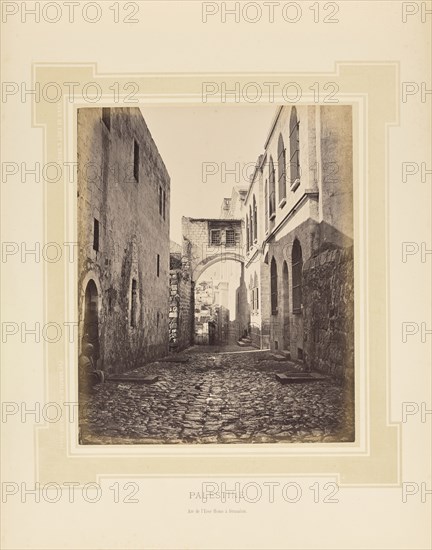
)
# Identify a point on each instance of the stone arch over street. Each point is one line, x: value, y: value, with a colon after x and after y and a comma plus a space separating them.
x: 212, y: 260
x: 206, y: 243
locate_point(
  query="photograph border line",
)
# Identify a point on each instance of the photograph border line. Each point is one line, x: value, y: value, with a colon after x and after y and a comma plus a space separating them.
x: 378, y: 463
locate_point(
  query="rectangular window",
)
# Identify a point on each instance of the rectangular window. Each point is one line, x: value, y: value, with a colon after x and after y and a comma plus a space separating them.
x: 136, y: 160
x: 163, y: 203
x: 230, y: 239
x: 106, y: 117
x: 257, y: 299
x: 247, y: 233
x: 160, y: 201
x: 96, y: 235
x: 133, y: 303
x: 157, y: 265
x: 215, y: 237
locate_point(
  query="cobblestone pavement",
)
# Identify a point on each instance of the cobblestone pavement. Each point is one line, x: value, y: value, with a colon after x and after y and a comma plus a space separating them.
x: 217, y: 395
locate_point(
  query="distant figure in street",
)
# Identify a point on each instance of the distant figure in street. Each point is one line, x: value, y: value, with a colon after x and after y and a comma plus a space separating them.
x: 88, y: 375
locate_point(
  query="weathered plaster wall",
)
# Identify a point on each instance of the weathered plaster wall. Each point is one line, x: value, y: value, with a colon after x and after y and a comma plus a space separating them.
x: 132, y: 232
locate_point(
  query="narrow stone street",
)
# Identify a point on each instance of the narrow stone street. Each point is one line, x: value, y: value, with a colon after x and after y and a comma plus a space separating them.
x: 217, y: 395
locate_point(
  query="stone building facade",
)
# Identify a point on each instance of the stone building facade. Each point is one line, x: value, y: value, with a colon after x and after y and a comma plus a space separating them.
x: 232, y: 207
x: 299, y: 206
x: 256, y: 270
x: 123, y: 234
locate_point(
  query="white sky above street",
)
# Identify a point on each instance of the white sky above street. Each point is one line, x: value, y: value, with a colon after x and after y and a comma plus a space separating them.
x: 189, y: 136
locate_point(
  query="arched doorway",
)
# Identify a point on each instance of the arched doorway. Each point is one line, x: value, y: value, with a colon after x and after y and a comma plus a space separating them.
x: 285, y: 306
x: 273, y: 287
x: 297, y: 266
x: 91, y: 319
x: 297, y: 301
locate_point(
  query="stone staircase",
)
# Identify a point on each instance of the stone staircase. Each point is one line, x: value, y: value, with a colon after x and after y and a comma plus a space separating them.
x: 244, y: 341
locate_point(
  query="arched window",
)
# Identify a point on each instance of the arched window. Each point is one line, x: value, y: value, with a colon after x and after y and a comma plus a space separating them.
x: 272, y: 189
x: 273, y: 287
x: 255, y: 220
x: 256, y: 292
x: 247, y: 232
x: 133, y: 304
x: 294, y: 148
x: 281, y: 168
x: 266, y: 205
x: 297, y: 265
x: 251, y: 224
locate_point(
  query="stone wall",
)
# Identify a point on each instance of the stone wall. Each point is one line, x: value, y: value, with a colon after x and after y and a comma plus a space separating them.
x: 181, y: 310
x: 328, y: 313
x: 121, y: 189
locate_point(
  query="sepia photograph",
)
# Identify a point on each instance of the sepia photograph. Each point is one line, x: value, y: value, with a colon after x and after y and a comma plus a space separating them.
x: 215, y: 274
